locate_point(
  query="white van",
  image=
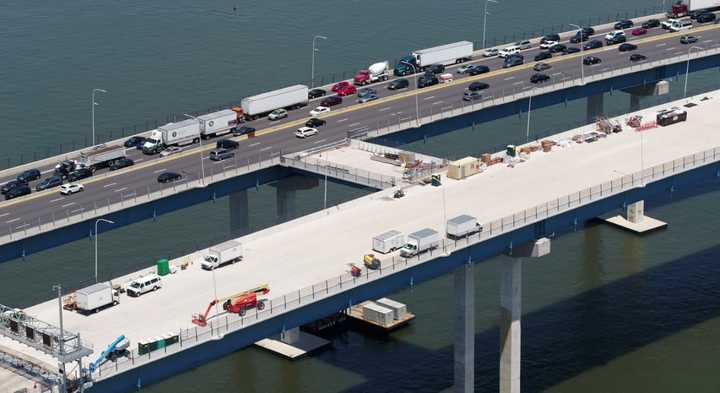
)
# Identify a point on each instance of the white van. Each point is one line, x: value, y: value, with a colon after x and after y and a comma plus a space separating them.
x: 680, y: 25
x: 510, y: 50
x: 143, y: 285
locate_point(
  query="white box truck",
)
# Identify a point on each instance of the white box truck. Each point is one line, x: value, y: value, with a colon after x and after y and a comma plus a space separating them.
x: 182, y: 133
x: 96, y: 297
x: 388, y: 241
x: 462, y: 226
x: 100, y: 158
x: 262, y: 104
x: 217, y: 123
x: 420, y: 242
x: 224, y: 253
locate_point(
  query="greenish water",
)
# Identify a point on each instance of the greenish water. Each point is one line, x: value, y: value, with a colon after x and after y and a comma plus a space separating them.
x: 606, y: 312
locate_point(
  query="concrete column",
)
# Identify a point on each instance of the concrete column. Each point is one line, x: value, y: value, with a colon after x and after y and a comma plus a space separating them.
x: 286, y: 203
x: 635, y: 212
x: 239, y: 213
x: 510, y: 313
x: 595, y: 107
x: 464, y: 346
x: 290, y: 336
x: 634, y: 102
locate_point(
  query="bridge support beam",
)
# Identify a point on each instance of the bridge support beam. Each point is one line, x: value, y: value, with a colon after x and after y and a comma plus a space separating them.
x: 464, y: 346
x: 635, y: 219
x: 239, y: 213
x: 649, y: 90
x: 595, y: 107
x: 286, y: 195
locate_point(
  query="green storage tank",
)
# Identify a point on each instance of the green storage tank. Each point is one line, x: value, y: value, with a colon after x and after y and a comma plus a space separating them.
x: 163, y: 267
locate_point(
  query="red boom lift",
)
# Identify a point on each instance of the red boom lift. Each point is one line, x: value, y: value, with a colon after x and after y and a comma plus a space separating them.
x: 238, y: 303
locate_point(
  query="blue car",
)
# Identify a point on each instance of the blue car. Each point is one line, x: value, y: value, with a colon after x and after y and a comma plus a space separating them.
x: 367, y: 98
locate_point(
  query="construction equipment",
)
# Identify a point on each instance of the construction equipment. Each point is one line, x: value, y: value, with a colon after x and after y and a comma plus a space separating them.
x: 634, y: 121
x: 608, y: 126
x: 355, y: 270
x: 116, y: 349
x: 238, y: 303
x: 371, y: 262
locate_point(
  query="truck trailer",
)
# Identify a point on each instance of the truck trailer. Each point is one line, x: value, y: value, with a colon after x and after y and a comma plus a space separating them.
x: 388, y: 241
x: 224, y: 253
x: 694, y: 7
x: 96, y: 297
x: 182, y: 133
x: 462, y: 226
x: 262, y: 104
x: 375, y: 73
x: 100, y: 158
x: 419, y: 242
x: 217, y: 123
x: 455, y: 53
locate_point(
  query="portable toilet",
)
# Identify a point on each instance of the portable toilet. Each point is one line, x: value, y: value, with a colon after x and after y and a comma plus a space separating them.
x: 163, y: 267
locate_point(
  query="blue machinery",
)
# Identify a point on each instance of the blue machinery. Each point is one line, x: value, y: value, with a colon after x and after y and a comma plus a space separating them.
x: 119, y: 344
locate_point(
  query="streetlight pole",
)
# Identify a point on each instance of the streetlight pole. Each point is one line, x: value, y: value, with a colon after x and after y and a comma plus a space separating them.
x: 92, y: 111
x: 98, y: 221
x: 687, y: 69
x: 325, y: 193
x: 314, y: 49
x: 527, y: 129
x: 485, y: 14
x: 202, y: 164
x: 63, y: 378
x: 582, y: 54
x: 417, y: 100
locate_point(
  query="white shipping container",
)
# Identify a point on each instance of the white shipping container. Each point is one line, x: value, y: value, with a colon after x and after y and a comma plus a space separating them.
x: 462, y: 226
x: 282, y: 98
x: 445, y: 54
x: 399, y: 309
x: 701, y: 4
x: 388, y: 241
x: 181, y: 133
x: 378, y: 314
x: 217, y: 123
x: 94, y: 297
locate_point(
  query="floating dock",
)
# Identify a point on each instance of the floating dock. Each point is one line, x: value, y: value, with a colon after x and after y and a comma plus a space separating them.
x: 383, y: 314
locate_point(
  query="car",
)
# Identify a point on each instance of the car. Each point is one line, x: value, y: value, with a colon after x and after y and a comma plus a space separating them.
x: 539, y: 78
x: 492, y: 52
x: 278, y: 114
x: 315, y: 122
x: 541, y: 66
x: 427, y: 80
x: 680, y: 25
x: 72, y: 188
x: 508, y: 51
x: 398, y: 84
x: 167, y: 177
x: 471, y: 96
x: 543, y: 55
x: 18, y: 191
x: 513, y: 61
x: 366, y: 92
x: 228, y: 144
x: 29, y: 175
x: 591, y: 60
x: 651, y: 23
x: 688, y: 39
x: 706, y: 17
x: 463, y: 69
x: 340, y: 85
x: 639, y: 31
x: 624, y: 24
x: 594, y: 44
x: 435, y: 68
x: 331, y: 101
x: 319, y: 110
x: 242, y: 130
x: 626, y: 47
x: 316, y: 93
x: 346, y: 90
x: 637, y: 57
x: 135, y: 141
x: 367, y: 98
x: 548, y: 44
x: 10, y: 185
x: 304, y: 132
x: 570, y: 50
x: 121, y: 163
x: 221, y: 154
x: 170, y: 151
x: 79, y: 174
x: 551, y: 37
x: 525, y: 44
x: 577, y: 38
x: 557, y: 48
x: 476, y: 86
x: 478, y: 69
x: 667, y: 23
x: 49, y: 182
x: 615, y: 37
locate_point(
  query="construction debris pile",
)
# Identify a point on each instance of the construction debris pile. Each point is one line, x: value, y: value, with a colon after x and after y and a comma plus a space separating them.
x: 412, y: 168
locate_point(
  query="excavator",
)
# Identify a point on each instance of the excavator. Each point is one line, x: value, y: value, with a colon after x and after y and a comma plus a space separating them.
x: 238, y: 303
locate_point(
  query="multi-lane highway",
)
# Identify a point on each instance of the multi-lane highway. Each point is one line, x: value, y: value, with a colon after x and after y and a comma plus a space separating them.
x: 275, y: 138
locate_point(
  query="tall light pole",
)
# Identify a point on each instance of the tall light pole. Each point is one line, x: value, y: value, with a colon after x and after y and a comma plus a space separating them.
x: 98, y: 221
x: 314, y: 49
x: 92, y: 111
x: 687, y: 70
x: 202, y: 164
x: 527, y: 129
x: 485, y: 14
x: 325, y: 193
x: 582, y: 54
x: 63, y: 379
x: 417, y: 100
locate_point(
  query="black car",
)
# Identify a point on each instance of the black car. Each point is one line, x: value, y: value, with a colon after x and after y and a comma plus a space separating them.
x: 624, y: 24
x: 435, y: 68
x: 427, y: 80
x: 315, y: 122
x: 594, y: 44
x: 543, y: 55
x: 398, y: 84
x: 513, y: 61
x: 331, y: 101
x: 167, y: 177
x: 242, y: 130
x: 541, y: 66
x: 17, y: 192
x: 539, y: 78
x: 550, y: 37
x: 688, y: 39
x: 64, y: 168
x: 476, y: 86
x: 471, y: 96
x: 590, y: 60
x: 637, y: 57
x: 477, y: 70
x: 649, y: 24
x: 619, y: 39
x: 557, y: 48
x: 135, y: 141
x: 706, y: 17
x: 582, y: 35
x: 49, y: 182
x: 626, y: 47
x: 570, y: 50
x: 121, y: 163
x: 316, y: 93
x: 79, y: 174
x: 227, y: 144
x: 29, y: 175
x: 10, y: 185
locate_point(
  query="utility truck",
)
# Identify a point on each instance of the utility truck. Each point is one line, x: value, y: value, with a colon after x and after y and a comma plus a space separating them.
x: 419, y: 242
x: 96, y: 297
x: 222, y: 254
x: 462, y: 226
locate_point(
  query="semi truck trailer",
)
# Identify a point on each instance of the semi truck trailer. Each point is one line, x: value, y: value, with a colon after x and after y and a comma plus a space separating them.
x: 687, y: 7
x: 260, y: 105
x: 455, y: 53
x: 217, y: 123
x: 182, y: 133
x: 100, y: 158
x: 224, y: 253
x: 419, y: 242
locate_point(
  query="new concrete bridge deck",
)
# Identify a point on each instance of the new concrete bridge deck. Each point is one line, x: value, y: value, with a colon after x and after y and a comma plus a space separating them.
x: 316, y: 249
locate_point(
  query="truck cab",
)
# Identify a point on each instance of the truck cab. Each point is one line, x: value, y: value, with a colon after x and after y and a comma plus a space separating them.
x: 409, y: 249
x: 404, y: 67
x: 153, y: 144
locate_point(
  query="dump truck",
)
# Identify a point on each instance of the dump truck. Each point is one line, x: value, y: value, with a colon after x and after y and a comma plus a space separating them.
x: 455, y: 53
x: 222, y: 254
x: 462, y: 226
x: 96, y: 297
x: 100, y: 158
x: 217, y: 123
x: 388, y: 241
x: 262, y: 104
x: 419, y: 242
x: 182, y: 133
x: 375, y: 73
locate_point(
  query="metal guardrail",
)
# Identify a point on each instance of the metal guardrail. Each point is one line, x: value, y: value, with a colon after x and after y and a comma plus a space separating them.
x: 30, y: 370
x: 220, y: 326
x: 342, y: 172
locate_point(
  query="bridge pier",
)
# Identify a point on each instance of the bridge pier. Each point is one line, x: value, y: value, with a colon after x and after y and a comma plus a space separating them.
x: 637, y: 92
x: 286, y: 195
x: 635, y: 219
x: 595, y: 107
x: 464, y: 345
x: 239, y: 213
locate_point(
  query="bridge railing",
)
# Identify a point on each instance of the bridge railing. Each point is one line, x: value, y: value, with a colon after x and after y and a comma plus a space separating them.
x: 342, y: 172
x: 227, y: 323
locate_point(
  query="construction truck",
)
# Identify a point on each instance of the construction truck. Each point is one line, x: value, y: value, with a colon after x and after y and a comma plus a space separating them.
x: 238, y: 303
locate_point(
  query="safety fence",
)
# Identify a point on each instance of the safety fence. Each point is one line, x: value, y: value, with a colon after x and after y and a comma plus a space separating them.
x: 341, y: 172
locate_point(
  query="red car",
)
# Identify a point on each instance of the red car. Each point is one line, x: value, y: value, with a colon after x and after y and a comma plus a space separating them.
x: 345, y: 90
x: 639, y: 31
x: 340, y: 85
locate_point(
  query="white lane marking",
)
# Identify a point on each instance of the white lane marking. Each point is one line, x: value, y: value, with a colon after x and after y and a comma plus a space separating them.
x: 509, y: 78
x: 266, y: 148
x: 706, y: 41
x: 68, y: 204
x: 139, y: 160
x: 565, y: 78
x: 661, y: 44
x: 56, y: 200
x: 445, y: 108
x: 160, y: 170
x: 429, y: 98
x: 365, y: 128
x: 228, y: 166
x: 21, y: 226
x: 77, y: 210
x: 4, y: 214
x: 678, y: 53
x: 13, y: 220
x: 518, y: 83
x: 129, y: 195
x: 384, y: 109
x: 254, y: 144
x: 605, y: 69
x: 320, y: 141
x: 670, y: 48
x: 489, y: 97
x: 527, y: 87
x: 556, y: 74
x: 342, y: 120
x: 354, y: 124
x: 437, y: 102
x: 47, y: 171
x: 109, y: 185
x: 121, y: 189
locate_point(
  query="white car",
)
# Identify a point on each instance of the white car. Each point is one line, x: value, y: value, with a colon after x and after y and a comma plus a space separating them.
x: 508, y: 51
x: 69, y: 189
x: 611, y: 36
x: 491, y: 52
x: 304, y: 132
x: 278, y: 114
x: 668, y: 22
x: 319, y: 110
x: 548, y: 44
x: 464, y: 68
x: 170, y: 150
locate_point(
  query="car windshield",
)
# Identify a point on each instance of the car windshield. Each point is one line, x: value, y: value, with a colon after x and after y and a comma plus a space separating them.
x: 135, y: 285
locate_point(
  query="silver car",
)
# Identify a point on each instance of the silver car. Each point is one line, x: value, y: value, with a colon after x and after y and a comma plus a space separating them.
x: 278, y: 114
